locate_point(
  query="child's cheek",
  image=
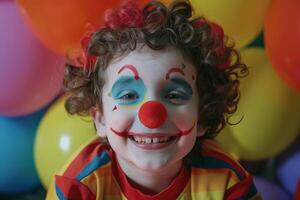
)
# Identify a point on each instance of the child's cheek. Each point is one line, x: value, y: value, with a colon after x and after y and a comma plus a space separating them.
x: 121, y: 118
x: 117, y: 117
x: 184, y: 117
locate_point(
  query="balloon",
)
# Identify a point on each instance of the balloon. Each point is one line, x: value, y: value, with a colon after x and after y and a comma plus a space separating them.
x: 58, y: 136
x: 35, y: 194
x: 18, y: 173
x: 61, y: 24
x: 282, y: 30
x: 241, y: 20
x: 30, y: 74
x: 270, y: 191
x: 270, y: 111
x: 288, y: 172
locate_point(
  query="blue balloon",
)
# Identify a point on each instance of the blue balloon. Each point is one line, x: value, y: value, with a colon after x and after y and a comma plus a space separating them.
x: 288, y: 172
x: 270, y: 191
x: 17, y: 168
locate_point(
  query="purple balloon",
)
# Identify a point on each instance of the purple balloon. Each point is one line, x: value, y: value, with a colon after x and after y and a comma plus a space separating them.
x: 270, y: 191
x: 288, y: 172
x: 30, y: 74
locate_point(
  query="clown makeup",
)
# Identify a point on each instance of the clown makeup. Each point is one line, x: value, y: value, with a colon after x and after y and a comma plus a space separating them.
x: 151, y: 115
x: 128, y: 91
x: 177, y: 91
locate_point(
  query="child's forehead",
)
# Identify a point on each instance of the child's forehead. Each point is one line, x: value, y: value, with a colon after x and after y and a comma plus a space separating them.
x: 149, y: 62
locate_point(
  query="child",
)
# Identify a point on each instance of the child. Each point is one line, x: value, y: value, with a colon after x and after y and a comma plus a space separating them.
x: 160, y: 86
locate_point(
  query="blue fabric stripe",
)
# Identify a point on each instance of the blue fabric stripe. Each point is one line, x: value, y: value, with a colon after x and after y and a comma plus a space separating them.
x: 214, y: 163
x: 59, y: 193
x: 97, y: 162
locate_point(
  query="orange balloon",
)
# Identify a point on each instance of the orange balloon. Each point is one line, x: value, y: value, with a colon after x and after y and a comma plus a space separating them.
x: 61, y: 24
x: 282, y: 39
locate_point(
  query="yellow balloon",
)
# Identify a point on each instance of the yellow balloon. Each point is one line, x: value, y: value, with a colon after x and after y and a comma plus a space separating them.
x: 59, y: 135
x: 241, y: 20
x: 255, y: 58
x: 270, y: 110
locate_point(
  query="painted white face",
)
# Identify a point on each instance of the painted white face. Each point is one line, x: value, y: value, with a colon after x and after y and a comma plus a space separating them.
x: 150, y: 105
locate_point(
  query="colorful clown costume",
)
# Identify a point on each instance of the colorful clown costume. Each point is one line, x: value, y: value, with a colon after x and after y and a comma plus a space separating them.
x: 95, y: 174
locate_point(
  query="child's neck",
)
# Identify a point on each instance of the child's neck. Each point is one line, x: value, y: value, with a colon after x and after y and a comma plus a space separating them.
x: 153, y: 182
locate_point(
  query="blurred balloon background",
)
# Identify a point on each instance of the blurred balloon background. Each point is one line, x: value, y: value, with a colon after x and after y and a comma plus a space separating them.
x: 270, y: 111
x: 282, y: 40
x: 16, y: 152
x: 30, y: 74
x: 241, y: 20
x: 58, y: 136
x: 61, y: 27
x: 37, y: 136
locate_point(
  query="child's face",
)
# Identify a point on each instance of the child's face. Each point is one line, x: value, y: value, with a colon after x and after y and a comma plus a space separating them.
x: 150, y: 107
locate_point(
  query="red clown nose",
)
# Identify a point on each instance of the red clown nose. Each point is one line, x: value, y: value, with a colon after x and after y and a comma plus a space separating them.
x: 152, y: 114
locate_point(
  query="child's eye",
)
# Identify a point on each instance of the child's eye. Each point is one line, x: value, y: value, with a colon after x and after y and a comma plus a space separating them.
x: 128, y: 95
x: 177, y: 97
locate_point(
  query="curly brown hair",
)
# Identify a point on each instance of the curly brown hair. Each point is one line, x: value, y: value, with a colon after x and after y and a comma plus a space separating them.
x: 217, y: 63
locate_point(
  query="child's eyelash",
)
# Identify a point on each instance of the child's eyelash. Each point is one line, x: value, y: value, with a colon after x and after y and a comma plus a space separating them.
x: 127, y: 95
x: 177, y: 94
x: 177, y: 97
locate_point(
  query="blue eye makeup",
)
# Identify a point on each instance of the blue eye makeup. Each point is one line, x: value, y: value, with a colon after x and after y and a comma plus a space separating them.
x: 128, y: 91
x: 177, y: 91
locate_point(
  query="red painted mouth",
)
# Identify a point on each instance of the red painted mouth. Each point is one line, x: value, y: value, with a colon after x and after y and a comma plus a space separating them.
x: 152, y: 135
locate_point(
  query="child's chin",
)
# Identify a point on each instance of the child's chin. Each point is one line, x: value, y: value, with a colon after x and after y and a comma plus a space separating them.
x: 153, y: 166
x: 151, y: 169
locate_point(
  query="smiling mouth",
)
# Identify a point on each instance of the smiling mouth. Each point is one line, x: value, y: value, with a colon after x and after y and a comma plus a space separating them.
x: 147, y: 137
x: 151, y: 140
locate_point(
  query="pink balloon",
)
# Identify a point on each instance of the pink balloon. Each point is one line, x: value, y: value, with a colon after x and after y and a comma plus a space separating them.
x: 30, y: 74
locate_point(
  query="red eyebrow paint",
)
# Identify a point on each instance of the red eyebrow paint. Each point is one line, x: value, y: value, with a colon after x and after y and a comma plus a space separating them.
x: 132, y: 69
x: 174, y: 70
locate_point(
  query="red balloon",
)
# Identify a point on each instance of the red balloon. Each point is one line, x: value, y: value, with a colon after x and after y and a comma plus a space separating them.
x: 282, y: 39
x: 61, y: 24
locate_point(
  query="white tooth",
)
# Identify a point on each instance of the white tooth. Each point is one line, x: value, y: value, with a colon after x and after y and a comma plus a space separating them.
x: 155, y: 140
x: 148, y: 140
x: 139, y: 139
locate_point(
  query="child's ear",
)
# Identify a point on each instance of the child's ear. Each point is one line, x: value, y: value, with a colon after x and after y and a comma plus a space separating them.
x: 201, y: 131
x: 99, y: 121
